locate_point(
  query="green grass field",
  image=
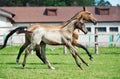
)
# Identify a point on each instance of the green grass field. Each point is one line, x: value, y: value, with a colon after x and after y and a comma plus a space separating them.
x: 106, y: 65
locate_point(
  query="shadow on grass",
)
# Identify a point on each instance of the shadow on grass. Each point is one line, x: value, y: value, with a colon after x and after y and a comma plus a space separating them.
x: 8, y: 54
x: 111, y: 53
x: 28, y: 66
x: 53, y: 53
x: 32, y: 65
x: 8, y: 63
x: 53, y: 63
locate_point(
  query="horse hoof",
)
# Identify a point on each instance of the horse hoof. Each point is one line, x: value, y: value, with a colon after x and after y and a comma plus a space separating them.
x: 88, y: 64
x: 17, y: 61
x: 81, y: 68
x: 23, y: 66
x: 91, y: 59
x: 52, y: 68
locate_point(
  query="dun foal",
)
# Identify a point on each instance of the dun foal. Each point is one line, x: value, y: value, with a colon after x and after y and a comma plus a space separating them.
x: 42, y: 36
x: 83, y: 15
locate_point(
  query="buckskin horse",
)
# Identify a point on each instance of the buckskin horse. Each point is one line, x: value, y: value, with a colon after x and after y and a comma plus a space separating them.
x: 83, y: 15
x: 63, y: 36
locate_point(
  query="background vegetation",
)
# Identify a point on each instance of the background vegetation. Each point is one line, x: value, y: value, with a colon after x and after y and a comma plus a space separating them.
x: 106, y: 65
x: 54, y: 3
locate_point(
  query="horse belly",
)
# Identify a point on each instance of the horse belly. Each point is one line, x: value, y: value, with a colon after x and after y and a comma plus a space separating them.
x: 53, y: 38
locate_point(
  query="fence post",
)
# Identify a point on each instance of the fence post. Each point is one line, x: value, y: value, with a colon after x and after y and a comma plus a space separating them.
x: 96, y: 40
x: 64, y: 49
x: 111, y: 40
x: 11, y: 41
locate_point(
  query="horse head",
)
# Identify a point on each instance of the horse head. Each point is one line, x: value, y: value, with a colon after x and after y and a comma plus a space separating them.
x: 86, y: 16
x: 80, y: 25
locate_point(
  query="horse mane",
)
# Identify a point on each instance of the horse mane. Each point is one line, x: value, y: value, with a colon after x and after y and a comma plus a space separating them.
x: 68, y: 22
x: 74, y: 17
x: 76, y: 14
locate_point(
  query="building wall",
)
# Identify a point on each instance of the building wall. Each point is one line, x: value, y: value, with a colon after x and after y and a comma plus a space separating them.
x: 108, y: 34
x: 5, y: 25
x: 105, y: 36
x: 21, y: 37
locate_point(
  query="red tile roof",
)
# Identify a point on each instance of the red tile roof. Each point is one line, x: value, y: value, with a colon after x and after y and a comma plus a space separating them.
x: 36, y: 14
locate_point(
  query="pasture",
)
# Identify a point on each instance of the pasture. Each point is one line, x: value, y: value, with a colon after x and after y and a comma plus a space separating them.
x: 106, y: 65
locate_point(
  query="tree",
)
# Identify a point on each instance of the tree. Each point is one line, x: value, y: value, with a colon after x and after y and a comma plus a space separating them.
x: 46, y: 2
x: 104, y: 3
x: 55, y: 2
x: 85, y: 2
x: 5, y: 3
x: 118, y: 4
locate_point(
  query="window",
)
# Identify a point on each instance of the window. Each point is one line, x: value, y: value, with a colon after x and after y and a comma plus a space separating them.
x: 113, y: 29
x: 101, y: 29
x: 50, y: 12
x: 102, y: 11
x: 89, y: 29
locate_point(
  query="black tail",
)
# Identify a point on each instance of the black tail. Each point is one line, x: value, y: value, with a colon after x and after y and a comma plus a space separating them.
x: 11, y: 33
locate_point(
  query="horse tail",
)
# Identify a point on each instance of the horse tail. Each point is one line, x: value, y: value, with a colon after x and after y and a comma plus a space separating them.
x: 18, y: 29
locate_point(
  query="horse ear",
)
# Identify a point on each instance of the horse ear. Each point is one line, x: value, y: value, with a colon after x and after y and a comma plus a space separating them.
x: 84, y: 8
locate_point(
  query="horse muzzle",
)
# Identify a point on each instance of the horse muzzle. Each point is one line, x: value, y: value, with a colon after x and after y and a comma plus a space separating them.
x: 86, y: 32
x: 95, y: 22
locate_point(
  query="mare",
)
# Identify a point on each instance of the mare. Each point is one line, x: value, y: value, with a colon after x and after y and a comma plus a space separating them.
x: 42, y: 36
x: 83, y: 15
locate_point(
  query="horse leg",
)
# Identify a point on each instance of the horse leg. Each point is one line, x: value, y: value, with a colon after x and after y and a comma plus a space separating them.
x: 72, y: 50
x: 74, y: 53
x: 37, y: 49
x: 25, y: 57
x: 21, y: 50
x: 75, y: 57
x: 76, y: 43
x: 43, y: 55
x: 83, y: 47
x: 81, y: 59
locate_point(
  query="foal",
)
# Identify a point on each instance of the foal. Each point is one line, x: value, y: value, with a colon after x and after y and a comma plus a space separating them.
x: 83, y: 15
x: 63, y: 36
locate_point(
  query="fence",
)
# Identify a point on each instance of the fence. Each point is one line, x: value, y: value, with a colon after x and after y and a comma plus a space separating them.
x: 94, y: 40
x: 13, y: 40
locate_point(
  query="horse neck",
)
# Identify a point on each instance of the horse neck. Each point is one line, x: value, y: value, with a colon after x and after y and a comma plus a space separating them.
x: 69, y: 26
x: 76, y: 16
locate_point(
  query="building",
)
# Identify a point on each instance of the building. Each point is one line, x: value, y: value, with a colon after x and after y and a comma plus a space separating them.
x: 108, y: 21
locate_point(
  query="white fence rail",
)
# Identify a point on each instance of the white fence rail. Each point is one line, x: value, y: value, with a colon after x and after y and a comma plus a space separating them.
x: 13, y: 40
x: 92, y: 40
x: 102, y: 39
x: 88, y: 40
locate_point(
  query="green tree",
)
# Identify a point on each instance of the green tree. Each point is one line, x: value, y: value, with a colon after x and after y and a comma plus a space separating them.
x: 46, y: 2
x: 85, y: 2
x: 103, y: 3
x: 4, y: 3
x: 118, y: 4
x: 54, y: 3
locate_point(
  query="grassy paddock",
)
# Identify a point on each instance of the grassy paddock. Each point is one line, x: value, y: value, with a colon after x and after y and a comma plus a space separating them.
x: 106, y: 65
